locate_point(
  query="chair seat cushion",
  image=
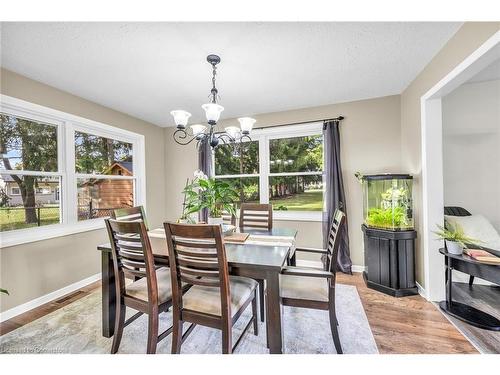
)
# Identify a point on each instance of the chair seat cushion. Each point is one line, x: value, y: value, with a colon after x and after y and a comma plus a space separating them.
x: 139, y: 289
x: 304, y: 287
x: 207, y: 299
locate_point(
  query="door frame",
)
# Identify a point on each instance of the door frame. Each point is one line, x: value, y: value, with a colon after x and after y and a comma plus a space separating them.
x: 432, y: 159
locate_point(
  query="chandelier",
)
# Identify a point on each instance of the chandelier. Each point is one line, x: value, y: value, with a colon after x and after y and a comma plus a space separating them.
x: 213, y: 110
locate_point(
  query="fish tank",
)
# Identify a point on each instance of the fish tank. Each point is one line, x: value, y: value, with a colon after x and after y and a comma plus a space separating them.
x: 387, y: 201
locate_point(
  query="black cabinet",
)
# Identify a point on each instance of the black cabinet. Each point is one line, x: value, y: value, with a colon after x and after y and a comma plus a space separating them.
x: 390, y: 261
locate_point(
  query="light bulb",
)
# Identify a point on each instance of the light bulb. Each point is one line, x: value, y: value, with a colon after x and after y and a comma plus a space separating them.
x: 212, y: 111
x: 246, y: 124
x: 181, y: 118
x: 233, y: 131
x: 198, y: 129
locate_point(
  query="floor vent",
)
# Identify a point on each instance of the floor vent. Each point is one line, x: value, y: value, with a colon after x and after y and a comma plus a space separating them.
x: 69, y: 296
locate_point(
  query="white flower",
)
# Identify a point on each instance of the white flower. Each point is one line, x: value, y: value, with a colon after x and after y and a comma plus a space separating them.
x: 200, y: 175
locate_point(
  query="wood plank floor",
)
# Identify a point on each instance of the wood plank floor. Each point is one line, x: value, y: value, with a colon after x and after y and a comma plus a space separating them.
x: 487, y: 299
x: 404, y: 325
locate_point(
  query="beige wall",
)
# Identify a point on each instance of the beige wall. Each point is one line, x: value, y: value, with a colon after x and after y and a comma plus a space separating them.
x: 370, y: 143
x: 32, y: 270
x: 468, y: 38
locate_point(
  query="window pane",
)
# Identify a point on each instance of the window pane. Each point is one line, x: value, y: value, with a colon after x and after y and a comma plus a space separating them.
x: 27, y: 145
x: 241, y: 158
x: 247, y: 187
x: 99, y: 155
x: 98, y: 197
x: 298, y: 154
x: 28, y: 201
x: 296, y: 193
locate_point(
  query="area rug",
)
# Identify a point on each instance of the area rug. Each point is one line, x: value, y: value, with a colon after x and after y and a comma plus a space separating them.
x: 76, y: 328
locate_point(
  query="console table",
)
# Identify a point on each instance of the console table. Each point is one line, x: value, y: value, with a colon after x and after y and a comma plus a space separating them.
x: 469, y: 314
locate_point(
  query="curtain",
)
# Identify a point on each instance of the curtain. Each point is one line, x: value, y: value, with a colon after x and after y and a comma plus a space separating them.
x: 205, y: 165
x: 335, y: 194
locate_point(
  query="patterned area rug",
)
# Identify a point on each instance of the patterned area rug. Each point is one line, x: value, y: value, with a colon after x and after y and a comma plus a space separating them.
x: 76, y: 328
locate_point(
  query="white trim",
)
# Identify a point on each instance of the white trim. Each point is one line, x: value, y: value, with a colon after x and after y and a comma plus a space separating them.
x: 421, y: 290
x: 263, y: 136
x: 358, y: 268
x: 104, y: 176
x: 278, y: 174
x: 432, y: 169
x: 18, y: 310
x: 20, y: 172
x: 67, y: 125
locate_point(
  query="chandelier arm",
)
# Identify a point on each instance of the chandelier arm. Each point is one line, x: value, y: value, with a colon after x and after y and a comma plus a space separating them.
x: 245, y: 137
x: 225, y: 137
x: 180, y: 135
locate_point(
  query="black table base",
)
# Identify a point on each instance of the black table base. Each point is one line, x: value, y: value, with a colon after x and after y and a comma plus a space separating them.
x: 471, y: 315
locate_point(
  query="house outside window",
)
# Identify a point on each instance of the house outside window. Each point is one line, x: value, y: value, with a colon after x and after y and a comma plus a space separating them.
x: 282, y: 166
x: 61, y: 174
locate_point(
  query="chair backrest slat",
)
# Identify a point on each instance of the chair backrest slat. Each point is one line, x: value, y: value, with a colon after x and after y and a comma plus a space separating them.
x: 132, y: 255
x: 334, y: 238
x: 197, y: 256
x: 254, y: 215
x: 228, y: 218
x: 130, y: 214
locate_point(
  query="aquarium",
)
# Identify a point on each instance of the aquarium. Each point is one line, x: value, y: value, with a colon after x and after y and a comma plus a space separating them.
x: 387, y: 201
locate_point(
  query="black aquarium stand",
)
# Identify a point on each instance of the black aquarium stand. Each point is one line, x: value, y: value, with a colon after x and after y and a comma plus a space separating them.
x: 390, y: 261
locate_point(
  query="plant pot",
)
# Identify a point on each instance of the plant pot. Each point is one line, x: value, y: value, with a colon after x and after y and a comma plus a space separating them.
x: 215, y: 220
x: 454, y: 247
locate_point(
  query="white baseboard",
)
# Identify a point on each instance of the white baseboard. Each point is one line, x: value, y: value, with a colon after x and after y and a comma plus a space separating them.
x: 356, y: 268
x: 15, y: 311
x: 421, y: 290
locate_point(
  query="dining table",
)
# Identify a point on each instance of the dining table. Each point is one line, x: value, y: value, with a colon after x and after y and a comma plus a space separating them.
x: 261, y: 257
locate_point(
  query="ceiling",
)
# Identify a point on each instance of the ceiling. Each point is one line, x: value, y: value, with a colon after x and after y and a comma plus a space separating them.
x: 149, y: 69
x: 490, y: 73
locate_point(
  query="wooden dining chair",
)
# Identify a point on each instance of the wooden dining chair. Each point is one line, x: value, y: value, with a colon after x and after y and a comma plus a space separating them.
x: 197, y: 257
x: 255, y: 215
x: 315, y: 288
x: 151, y: 294
x: 228, y: 218
x: 130, y: 214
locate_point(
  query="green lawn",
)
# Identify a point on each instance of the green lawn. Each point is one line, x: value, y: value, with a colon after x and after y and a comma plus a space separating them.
x: 14, y: 218
x: 311, y: 200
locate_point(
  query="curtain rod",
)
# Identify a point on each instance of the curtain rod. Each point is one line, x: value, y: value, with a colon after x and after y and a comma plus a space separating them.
x: 339, y: 118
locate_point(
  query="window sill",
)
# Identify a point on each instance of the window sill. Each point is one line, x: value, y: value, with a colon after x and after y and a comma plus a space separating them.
x: 316, y: 216
x: 22, y: 236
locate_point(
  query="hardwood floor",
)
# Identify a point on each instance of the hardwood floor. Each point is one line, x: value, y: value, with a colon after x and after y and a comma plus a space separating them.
x: 29, y: 316
x: 405, y: 325
x: 487, y: 299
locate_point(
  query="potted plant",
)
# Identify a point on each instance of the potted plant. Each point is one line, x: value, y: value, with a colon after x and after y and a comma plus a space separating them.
x: 455, y: 238
x: 216, y: 195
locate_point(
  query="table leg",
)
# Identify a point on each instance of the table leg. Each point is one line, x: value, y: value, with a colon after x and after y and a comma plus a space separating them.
x: 449, y: 285
x: 108, y: 294
x: 275, y: 331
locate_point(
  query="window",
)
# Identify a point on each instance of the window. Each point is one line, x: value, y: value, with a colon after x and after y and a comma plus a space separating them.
x: 56, y: 168
x: 105, y: 175
x: 239, y: 165
x: 282, y: 166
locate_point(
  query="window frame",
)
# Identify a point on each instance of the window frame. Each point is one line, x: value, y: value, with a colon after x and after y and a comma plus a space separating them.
x: 263, y: 136
x: 67, y: 124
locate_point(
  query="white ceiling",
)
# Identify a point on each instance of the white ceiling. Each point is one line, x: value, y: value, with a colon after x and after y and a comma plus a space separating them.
x: 148, y: 69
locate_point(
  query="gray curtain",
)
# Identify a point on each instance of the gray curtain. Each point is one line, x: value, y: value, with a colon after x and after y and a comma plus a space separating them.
x: 335, y: 195
x: 205, y: 165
